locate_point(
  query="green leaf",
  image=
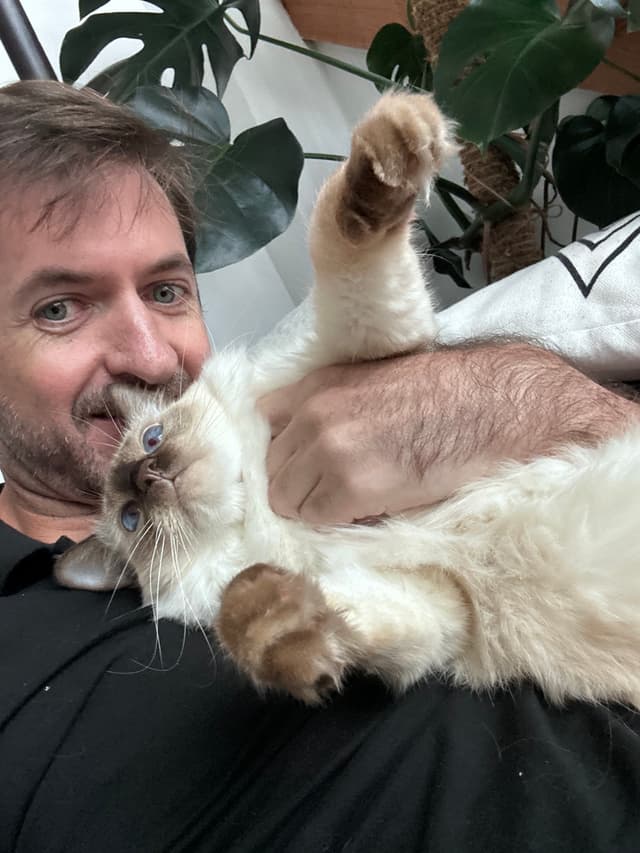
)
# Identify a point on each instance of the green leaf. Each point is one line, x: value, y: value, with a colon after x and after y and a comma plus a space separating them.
x: 249, y: 195
x: 623, y: 137
x: 247, y: 191
x: 401, y: 56
x: 503, y: 62
x: 589, y: 186
x: 190, y: 115
x: 174, y: 38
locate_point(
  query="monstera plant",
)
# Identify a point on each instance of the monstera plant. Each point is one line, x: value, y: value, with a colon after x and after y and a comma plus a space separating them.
x: 502, y: 67
x: 248, y: 187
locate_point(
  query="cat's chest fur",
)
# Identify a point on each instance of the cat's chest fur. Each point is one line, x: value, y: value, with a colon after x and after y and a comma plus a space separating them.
x: 233, y: 379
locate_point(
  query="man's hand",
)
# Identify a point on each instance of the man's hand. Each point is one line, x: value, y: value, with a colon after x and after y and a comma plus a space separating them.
x: 357, y: 441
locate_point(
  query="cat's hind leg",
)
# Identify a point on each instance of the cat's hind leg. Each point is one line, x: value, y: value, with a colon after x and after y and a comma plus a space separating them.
x: 370, y: 296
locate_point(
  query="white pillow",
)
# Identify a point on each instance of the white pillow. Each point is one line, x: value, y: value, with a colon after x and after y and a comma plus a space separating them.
x: 584, y: 303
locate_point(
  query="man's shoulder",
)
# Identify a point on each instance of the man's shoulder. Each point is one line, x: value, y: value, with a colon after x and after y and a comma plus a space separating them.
x: 95, y: 697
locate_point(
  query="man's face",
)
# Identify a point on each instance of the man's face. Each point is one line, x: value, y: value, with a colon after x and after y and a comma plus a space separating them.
x: 113, y: 300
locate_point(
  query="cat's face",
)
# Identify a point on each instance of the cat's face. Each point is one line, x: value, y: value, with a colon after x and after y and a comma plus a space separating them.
x: 175, y: 483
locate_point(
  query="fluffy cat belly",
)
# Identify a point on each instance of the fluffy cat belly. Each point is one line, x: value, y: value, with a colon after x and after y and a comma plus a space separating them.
x: 530, y: 573
x: 539, y: 566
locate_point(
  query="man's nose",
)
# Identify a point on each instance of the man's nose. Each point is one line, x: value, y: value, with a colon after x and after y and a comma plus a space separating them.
x: 139, y: 345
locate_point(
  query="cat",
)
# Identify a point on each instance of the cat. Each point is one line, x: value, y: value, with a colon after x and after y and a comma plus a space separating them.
x: 532, y: 573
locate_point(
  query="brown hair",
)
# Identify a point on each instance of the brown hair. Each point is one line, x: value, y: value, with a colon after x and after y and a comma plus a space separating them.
x: 53, y: 133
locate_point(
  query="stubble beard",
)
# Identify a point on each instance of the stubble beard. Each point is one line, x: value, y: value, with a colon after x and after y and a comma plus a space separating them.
x: 47, y: 455
x: 61, y: 460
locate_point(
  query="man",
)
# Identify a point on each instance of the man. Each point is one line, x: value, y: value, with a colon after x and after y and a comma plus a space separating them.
x: 115, y: 738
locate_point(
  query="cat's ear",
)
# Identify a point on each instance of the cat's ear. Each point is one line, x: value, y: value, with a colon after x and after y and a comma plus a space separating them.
x: 92, y: 566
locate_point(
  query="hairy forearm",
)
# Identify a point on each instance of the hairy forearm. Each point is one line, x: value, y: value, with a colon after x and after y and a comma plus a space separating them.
x: 501, y: 401
x: 357, y: 440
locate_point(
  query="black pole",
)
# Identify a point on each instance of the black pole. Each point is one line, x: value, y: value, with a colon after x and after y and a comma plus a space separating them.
x: 21, y: 43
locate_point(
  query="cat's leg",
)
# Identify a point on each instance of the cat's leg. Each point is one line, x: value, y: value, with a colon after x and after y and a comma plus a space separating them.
x: 288, y: 633
x: 370, y: 296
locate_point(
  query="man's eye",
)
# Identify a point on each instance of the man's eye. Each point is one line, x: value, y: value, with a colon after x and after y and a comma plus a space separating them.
x: 55, y: 311
x: 166, y: 294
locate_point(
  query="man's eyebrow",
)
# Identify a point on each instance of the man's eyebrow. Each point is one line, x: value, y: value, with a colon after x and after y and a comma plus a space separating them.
x: 176, y: 262
x: 50, y: 277
x: 54, y: 276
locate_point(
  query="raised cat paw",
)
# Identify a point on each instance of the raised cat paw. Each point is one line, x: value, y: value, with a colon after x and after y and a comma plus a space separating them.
x: 396, y: 151
x: 278, y: 628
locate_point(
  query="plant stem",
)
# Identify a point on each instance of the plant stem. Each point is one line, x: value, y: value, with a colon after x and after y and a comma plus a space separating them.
x: 454, y: 210
x: 315, y: 54
x: 524, y: 189
x: 518, y: 196
x: 622, y: 70
x: 461, y: 192
x: 314, y: 155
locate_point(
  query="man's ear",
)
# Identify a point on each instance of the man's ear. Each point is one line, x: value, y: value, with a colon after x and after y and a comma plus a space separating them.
x: 90, y: 565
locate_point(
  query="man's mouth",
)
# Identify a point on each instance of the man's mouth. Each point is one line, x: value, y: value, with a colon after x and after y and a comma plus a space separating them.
x: 110, y: 426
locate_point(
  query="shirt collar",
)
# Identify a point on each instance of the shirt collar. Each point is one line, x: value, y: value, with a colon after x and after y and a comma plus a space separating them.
x: 16, y: 548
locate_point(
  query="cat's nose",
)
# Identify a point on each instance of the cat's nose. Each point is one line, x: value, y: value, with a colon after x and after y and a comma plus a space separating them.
x: 143, y: 474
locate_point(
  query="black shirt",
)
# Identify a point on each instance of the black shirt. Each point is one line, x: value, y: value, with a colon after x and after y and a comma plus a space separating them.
x: 108, y: 745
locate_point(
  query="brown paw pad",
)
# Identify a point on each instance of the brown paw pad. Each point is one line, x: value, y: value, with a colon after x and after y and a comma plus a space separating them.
x: 278, y: 628
x: 396, y: 150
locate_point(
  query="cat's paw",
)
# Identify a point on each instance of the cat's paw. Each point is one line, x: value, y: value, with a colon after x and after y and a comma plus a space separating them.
x: 396, y: 150
x: 278, y: 628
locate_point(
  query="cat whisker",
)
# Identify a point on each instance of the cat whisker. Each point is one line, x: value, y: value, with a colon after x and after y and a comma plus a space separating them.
x: 242, y: 337
x: 210, y: 425
x: 111, y: 443
x: 178, y: 579
x: 212, y: 340
x: 90, y: 493
x: 185, y: 599
x: 141, y: 537
x: 185, y: 540
x: 184, y: 352
x: 156, y: 606
x: 117, y: 425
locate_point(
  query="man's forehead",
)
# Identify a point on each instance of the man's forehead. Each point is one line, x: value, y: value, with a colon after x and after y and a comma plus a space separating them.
x: 61, y: 207
x: 133, y: 236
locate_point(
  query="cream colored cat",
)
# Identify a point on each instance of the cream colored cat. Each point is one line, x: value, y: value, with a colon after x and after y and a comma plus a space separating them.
x: 533, y: 573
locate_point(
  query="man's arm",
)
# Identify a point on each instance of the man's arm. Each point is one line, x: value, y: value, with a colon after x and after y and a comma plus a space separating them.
x: 355, y: 441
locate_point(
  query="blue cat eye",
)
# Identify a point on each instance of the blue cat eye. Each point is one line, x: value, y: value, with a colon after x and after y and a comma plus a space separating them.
x: 130, y: 517
x: 152, y: 438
